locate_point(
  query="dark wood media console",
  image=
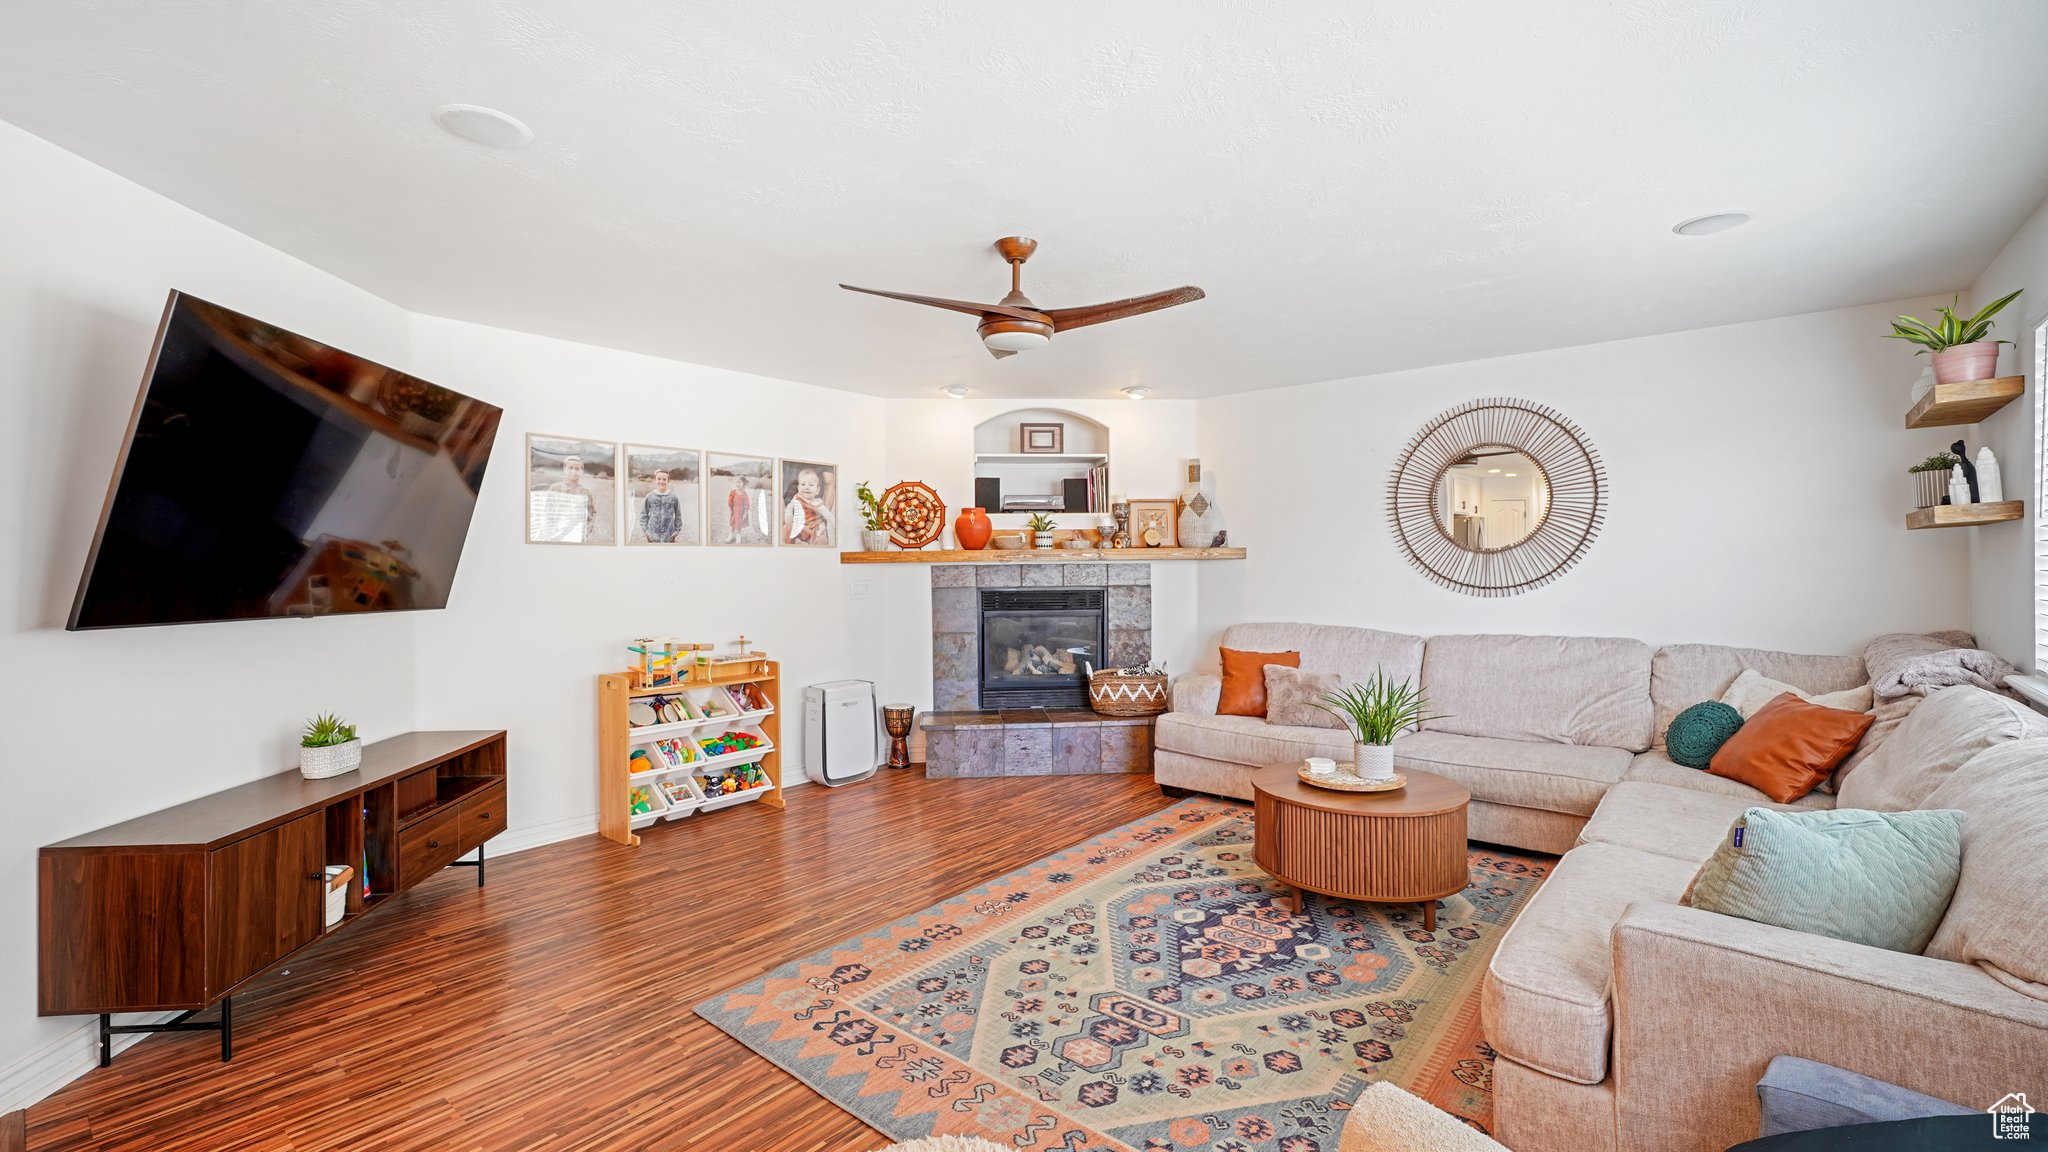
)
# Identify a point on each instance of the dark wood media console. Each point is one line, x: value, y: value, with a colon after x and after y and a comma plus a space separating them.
x: 174, y: 910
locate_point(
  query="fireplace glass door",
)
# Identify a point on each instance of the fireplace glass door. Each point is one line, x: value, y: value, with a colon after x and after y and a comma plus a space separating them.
x: 1037, y: 653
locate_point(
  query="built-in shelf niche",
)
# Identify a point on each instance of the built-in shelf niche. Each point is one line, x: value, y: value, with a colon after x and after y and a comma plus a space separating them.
x: 999, y: 456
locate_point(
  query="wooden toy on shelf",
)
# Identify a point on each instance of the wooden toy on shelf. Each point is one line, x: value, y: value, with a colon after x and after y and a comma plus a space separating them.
x: 664, y: 661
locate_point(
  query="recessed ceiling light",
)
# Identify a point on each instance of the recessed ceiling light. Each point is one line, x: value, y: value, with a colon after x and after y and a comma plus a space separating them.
x: 956, y: 391
x: 1137, y: 393
x: 1514, y: 473
x: 1708, y: 225
x: 1491, y: 471
x: 481, y: 125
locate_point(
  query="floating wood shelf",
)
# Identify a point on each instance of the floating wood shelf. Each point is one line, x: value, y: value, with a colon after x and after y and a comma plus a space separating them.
x: 1964, y: 403
x: 1965, y: 515
x: 1041, y: 555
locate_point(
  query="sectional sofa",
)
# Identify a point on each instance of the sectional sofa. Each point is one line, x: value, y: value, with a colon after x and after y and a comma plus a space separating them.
x: 1623, y: 1020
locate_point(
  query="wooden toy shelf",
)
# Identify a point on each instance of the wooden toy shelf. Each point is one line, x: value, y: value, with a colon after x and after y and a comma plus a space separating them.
x: 617, y: 737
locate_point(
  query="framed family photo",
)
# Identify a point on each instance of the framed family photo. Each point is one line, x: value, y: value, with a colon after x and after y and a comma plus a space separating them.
x: 739, y: 500
x: 664, y: 495
x: 572, y: 490
x: 809, y: 504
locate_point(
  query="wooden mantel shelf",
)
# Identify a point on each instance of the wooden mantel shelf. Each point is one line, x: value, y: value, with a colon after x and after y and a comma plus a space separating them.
x: 1964, y: 402
x: 1041, y: 555
x: 1965, y: 515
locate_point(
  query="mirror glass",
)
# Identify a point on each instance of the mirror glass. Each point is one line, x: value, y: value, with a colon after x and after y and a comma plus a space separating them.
x: 1494, y: 497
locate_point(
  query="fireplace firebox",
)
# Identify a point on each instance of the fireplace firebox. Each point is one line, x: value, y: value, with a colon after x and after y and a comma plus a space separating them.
x: 1037, y: 644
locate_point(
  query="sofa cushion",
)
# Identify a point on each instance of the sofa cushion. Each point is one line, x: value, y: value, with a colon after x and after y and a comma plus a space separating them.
x: 1798, y: 1095
x: 1546, y: 993
x: 1682, y: 823
x: 1247, y: 739
x: 1752, y: 690
x: 1353, y: 653
x: 1682, y: 675
x: 1937, y: 737
x: 1656, y: 768
x: 1998, y: 918
x: 1244, y: 680
x: 1294, y: 697
x: 1565, y: 778
x: 1557, y: 689
x: 1789, y: 747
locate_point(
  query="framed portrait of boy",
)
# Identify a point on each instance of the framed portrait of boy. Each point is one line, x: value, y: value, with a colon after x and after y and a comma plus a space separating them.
x: 664, y: 496
x: 572, y: 490
x: 1152, y: 523
x: 807, y: 508
x: 739, y: 500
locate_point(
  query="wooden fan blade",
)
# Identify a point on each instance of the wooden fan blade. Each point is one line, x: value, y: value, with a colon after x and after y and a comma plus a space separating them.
x: 1065, y: 318
x: 999, y: 353
x: 967, y: 306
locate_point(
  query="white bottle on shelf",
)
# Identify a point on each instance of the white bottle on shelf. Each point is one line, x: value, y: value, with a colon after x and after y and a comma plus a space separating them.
x: 1990, y: 485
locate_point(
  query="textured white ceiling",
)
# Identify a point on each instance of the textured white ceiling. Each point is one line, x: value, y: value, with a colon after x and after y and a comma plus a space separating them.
x: 1360, y: 187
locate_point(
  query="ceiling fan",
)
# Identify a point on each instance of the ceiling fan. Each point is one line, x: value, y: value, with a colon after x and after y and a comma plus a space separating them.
x: 1017, y: 325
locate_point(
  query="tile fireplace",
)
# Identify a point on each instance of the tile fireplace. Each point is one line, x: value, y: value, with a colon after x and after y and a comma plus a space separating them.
x: 1037, y: 644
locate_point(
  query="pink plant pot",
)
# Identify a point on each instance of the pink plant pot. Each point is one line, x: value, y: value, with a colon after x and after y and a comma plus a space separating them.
x: 1977, y: 361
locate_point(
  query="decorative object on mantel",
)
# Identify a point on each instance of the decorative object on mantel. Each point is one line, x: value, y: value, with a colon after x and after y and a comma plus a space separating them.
x: 1008, y: 541
x: 1567, y: 499
x: 1959, y: 349
x: 897, y: 721
x: 1010, y: 548
x: 1201, y: 521
x: 1042, y: 439
x: 913, y: 513
x: 329, y: 747
x: 1152, y: 524
x: 1139, y: 691
x: 1042, y: 528
x: 1120, y: 512
x: 1930, y: 480
x: 1969, y: 473
x: 874, y: 531
x: 1376, y: 711
x: 972, y: 528
x: 1990, y: 483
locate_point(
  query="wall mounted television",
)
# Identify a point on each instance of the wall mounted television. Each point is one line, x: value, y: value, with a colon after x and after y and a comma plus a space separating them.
x: 269, y: 475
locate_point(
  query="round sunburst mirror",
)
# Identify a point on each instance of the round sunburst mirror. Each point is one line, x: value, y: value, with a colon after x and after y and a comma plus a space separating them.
x: 1497, y: 497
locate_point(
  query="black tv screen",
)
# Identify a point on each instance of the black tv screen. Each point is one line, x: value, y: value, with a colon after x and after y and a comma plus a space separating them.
x: 266, y: 474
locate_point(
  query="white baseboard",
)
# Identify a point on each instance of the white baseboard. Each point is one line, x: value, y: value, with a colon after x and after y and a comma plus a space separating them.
x: 547, y: 832
x: 64, y: 1059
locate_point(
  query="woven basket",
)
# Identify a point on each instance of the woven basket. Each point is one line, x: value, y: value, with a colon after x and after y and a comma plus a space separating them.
x: 1113, y: 693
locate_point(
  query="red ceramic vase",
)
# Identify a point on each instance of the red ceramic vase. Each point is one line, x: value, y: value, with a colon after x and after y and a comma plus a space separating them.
x: 972, y: 529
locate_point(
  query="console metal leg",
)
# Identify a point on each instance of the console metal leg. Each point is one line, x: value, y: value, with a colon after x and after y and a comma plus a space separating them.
x: 106, y: 1040
x: 182, y: 1022
x: 227, y: 1029
x: 477, y: 864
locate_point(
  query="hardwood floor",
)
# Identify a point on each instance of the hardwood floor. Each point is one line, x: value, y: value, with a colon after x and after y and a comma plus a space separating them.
x: 552, y: 1009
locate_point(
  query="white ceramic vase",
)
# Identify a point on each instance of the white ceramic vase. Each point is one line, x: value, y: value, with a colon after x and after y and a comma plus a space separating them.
x: 874, y: 539
x: 332, y: 760
x: 1373, y: 761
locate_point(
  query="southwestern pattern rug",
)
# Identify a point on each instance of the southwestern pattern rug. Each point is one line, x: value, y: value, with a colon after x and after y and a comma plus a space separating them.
x: 1146, y: 991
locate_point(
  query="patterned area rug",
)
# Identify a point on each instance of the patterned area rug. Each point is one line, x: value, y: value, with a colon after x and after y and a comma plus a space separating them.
x: 1146, y: 991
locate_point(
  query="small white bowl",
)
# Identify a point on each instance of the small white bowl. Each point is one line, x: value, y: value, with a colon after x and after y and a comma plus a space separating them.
x: 1322, y: 766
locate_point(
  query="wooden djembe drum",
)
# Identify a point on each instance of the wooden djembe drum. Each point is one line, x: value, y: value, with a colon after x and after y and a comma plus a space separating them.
x: 896, y: 720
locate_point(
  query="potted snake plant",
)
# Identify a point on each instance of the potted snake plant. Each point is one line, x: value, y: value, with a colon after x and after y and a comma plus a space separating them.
x: 1377, y: 711
x: 1957, y: 346
x: 873, y: 536
x: 329, y: 747
x: 1041, y: 527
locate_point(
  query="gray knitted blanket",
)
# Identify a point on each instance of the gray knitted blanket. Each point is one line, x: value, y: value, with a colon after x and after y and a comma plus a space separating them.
x: 1911, y: 663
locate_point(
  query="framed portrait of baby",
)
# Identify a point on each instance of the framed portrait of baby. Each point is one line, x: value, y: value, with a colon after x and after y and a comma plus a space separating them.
x: 808, y: 505
x: 664, y: 495
x: 572, y: 490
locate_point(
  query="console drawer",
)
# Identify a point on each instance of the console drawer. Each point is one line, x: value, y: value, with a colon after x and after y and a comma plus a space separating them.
x: 481, y: 816
x: 429, y: 846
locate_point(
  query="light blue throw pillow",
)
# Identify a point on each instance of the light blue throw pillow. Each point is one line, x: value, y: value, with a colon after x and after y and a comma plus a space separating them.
x: 1878, y: 878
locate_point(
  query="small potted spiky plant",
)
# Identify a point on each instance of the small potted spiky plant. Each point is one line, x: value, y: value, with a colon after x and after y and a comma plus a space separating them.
x: 1041, y: 527
x: 873, y: 536
x: 329, y: 747
x: 1930, y: 478
x: 1957, y: 346
x: 1376, y: 712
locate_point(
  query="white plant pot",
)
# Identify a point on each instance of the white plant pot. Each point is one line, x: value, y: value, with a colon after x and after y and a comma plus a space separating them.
x: 1373, y: 761
x: 874, y: 540
x: 1042, y: 539
x: 333, y: 760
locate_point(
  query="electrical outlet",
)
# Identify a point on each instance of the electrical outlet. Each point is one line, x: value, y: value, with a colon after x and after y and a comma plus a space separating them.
x: 861, y: 590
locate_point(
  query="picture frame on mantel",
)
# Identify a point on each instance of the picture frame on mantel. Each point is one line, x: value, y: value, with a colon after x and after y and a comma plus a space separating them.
x: 1161, y: 515
x: 1041, y: 439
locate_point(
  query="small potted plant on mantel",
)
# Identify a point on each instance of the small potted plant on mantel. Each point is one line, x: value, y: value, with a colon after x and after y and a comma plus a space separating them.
x: 1376, y: 712
x: 1041, y: 527
x: 328, y: 748
x: 1957, y: 346
x: 873, y: 536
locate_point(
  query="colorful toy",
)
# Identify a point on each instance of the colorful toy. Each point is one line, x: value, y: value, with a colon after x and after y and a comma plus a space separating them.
x: 729, y: 743
x: 639, y: 762
x: 743, y: 778
x: 663, y: 660
x: 640, y: 801
x: 677, y: 791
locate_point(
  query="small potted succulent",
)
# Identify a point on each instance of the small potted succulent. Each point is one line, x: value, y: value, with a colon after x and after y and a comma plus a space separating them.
x: 1930, y: 479
x: 329, y: 747
x: 1959, y: 349
x: 873, y: 536
x: 1041, y: 527
x: 1376, y: 712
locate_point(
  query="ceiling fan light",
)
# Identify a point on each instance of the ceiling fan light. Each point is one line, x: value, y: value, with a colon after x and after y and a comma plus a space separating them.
x: 956, y: 391
x: 1015, y: 340
x: 1137, y: 392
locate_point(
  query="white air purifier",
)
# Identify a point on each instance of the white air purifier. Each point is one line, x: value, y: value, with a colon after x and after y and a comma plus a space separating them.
x: 842, y: 732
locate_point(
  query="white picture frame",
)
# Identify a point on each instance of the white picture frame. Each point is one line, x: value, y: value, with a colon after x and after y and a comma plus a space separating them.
x: 572, y: 490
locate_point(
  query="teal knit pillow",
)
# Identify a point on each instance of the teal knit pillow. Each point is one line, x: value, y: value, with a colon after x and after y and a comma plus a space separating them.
x: 1699, y: 731
x: 1877, y: 878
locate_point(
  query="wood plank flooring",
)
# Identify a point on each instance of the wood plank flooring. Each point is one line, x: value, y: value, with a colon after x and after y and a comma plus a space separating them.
x: 552, y: 1009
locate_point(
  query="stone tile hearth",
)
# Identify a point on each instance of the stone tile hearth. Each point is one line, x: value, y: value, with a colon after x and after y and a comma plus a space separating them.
x: 1034, y: 742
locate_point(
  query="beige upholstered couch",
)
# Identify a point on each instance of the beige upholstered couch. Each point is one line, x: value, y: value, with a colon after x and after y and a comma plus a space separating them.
x: 1621, y: 1019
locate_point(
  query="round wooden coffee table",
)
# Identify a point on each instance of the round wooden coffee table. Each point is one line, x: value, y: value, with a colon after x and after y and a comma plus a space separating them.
x: 1399, y: 847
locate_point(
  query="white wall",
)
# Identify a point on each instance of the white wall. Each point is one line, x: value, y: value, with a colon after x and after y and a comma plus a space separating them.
x: 2002, y: 555
x: 97, y: 727
x: 529, y: 625
x: 1758, y: 486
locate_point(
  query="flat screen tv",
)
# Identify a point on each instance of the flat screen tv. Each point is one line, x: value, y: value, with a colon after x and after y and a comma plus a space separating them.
x: 269, y: 475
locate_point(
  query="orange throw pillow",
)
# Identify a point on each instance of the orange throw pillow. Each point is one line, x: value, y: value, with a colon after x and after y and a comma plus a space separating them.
x: 1789, y: 747
x: 1244, y: 680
